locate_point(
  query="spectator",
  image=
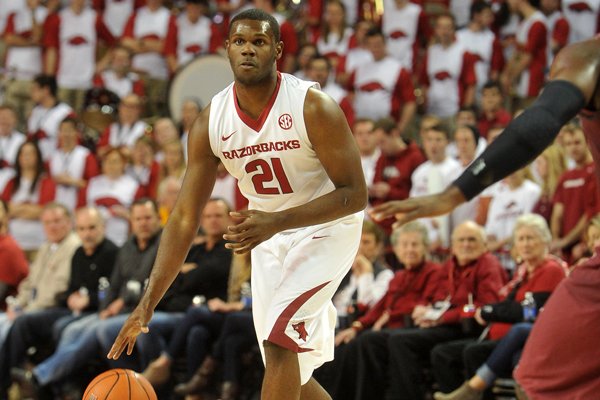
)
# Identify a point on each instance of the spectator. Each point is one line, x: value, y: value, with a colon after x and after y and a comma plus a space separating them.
x: 478, y: 38
x: 72, y: 165
x: 357, y: 54
x: 305, y: 54
x: 524, y: 71
x: 192, y: 35
x: 168, y: 190
x: 190, y: 110
x: 448, y: 74
x: 472, y: 272
x: 173, y: 163
x: 13, y: 264
x: 124, y: 133
x: 368, y: 279
x: 92, y: 261
x: 10, y: 138
x: 163, y: 131
x: 49, y: 274
x: 47, y: 114
x: 582, y: 16
x: 113, y: 192
x: 70, y: 41
x: 22, y: 37
x: 412, y: 285
x: 539, y: 273
x: 432, y: 177
x: 399, y: 160
x: 569, y: 219
x: 466, y: 117
x: 78, y: 343
x: 144, y: 168
x: 319, y: 70
x: 550, y: 165
x: 26, y: 194
x: 407, y: 31
x: 116, y: 13
x: 558, y: 28
x: 383, y: 88
x: 334, y: 38
x: 492, y: 111
x: 366, y: 141
x: 118, y: 77
x: 145, y: 34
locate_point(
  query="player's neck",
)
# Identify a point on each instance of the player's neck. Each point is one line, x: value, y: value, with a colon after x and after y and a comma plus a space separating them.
x: 252, y: 99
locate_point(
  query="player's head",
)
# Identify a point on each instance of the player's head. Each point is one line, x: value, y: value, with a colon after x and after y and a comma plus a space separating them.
x: 253, y: 46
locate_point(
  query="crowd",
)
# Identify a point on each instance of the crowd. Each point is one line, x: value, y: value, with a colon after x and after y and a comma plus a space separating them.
x: 425, y: 86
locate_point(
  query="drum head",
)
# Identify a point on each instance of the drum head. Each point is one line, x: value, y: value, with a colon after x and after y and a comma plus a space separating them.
x: 200, y: 79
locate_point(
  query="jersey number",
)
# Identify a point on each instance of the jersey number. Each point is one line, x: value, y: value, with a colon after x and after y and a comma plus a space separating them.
x: 267, y: 172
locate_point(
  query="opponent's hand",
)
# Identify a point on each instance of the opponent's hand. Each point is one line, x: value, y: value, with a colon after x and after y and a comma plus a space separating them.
x: 254, y: 228
x: 134, y: 325
x: 419, y: 207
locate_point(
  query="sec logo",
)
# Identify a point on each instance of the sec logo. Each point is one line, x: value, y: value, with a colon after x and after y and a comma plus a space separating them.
x: 285, y: 121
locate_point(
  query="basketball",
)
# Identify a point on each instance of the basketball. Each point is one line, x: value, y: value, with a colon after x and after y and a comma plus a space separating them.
x: 119, y: 384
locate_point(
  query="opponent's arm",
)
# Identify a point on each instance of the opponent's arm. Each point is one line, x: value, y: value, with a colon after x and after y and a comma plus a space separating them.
x: 178, y: 234
x: 574, y: 78
x: 334, y: 145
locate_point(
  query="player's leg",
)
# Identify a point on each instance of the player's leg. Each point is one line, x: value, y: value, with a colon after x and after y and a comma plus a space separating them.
x: 312, y: 390
x: 282, y: 373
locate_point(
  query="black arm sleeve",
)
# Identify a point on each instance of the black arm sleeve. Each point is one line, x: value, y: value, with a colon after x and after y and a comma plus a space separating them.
x: 524, y: 138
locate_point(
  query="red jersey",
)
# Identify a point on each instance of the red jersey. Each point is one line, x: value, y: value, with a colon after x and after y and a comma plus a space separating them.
x: 573, y: 192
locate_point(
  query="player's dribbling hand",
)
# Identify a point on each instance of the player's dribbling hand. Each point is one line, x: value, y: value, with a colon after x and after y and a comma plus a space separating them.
x: 134, y: 325
x: 418, y: 207
x: 253, y: 228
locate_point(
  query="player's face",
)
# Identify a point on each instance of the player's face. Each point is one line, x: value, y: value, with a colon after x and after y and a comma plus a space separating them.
x: 252, y: 51
x: 529, y: 245
x: 467, y: 244
x: 410, y: 249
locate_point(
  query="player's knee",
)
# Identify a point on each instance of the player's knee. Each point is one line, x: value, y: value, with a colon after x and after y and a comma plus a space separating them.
x: 274, y: 351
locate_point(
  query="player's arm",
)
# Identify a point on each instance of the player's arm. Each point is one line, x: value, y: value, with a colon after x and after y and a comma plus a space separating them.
x: 574, y: 79
x: 178, y: 234
x: 334, y: 145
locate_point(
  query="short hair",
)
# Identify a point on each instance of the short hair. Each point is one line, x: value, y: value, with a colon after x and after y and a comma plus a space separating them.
x: 413, y: 226
x: 493, y: 84
x: 47, y: 81
x: 374, y: 31
x: 371, y: 228
x: 117, y: 150
x: 254, y: 14
x: 54, y: 205
x: 143, y: 201
x: 363, y: 121
x: 386, y: 124
x: 319, y: 57
x: 446, y: 14
x: 71, y: 120
x: 537, y: 223
x: 440, y: 127
x: 10, y: 108
x: 477, y: 7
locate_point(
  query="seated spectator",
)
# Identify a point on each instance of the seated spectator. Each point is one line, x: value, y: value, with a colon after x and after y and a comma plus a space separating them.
x: 471, y: 274
x: 492, y: 111
x: 550, y: 165
x: 26, y: 194
x: 168, y: 190
x: 143, y: 167
x: 118, y: 77
x: 13, y: 264
x: 319, y: 70
x: 173, y: 163
x: 412, y: 285
x: 192, y: 35
x: 113, y: 192
x: 123, y: 133
x: 23, y: 58
x: 538, y: 274
x: 10, y: 138
x: 356, y: 56
x: 49, y: 276
x: 368, y: 279
x: 305, y: 54
x: 363, y: 131
x: 71, y: 165
x: 91, y: 262
x: 46, y: 115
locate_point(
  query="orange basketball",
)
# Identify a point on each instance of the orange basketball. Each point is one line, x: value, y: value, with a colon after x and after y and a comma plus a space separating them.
x: 119, y: 384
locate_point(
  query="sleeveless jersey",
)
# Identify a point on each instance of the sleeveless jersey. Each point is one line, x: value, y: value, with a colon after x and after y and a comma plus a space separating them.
x: 272, y: 157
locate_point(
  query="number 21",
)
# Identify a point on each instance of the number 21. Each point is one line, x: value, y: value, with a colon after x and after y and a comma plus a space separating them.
x: 265, y: 175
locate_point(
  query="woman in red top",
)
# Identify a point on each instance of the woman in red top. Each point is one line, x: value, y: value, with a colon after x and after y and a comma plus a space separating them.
x: 537, y: 276
x: 26, y: 194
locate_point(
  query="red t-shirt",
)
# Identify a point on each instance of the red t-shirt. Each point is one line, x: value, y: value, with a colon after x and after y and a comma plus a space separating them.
x: 573, y: 192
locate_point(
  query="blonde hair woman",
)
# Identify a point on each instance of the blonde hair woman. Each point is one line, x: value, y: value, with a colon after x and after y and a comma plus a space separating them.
x: 549, y: 166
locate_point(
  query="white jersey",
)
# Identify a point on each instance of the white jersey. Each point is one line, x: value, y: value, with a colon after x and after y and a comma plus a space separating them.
x: 43, y: 123
x: 9, y: 147
x: 272, y: 157
x: 400, y: 27
x: 583, y: 18
x: 73, y: 164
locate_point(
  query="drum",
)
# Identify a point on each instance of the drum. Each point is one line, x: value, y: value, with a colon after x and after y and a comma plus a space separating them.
x: 100, y: 108
x: 200, y: 79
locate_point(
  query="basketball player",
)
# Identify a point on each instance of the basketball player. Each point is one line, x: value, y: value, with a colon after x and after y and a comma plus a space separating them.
x: 569, y: 326
x: 295, y: 159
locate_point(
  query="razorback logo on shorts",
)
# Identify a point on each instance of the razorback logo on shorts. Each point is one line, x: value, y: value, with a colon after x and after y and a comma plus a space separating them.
x: 301, y: 329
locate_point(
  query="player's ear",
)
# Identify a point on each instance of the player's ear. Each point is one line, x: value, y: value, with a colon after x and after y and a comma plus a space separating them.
x: 278, y: 50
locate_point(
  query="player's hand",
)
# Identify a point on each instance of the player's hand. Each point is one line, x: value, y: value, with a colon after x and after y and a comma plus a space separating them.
x: 253, y: 228
x: 418, y: 207
x: 134, y: 325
